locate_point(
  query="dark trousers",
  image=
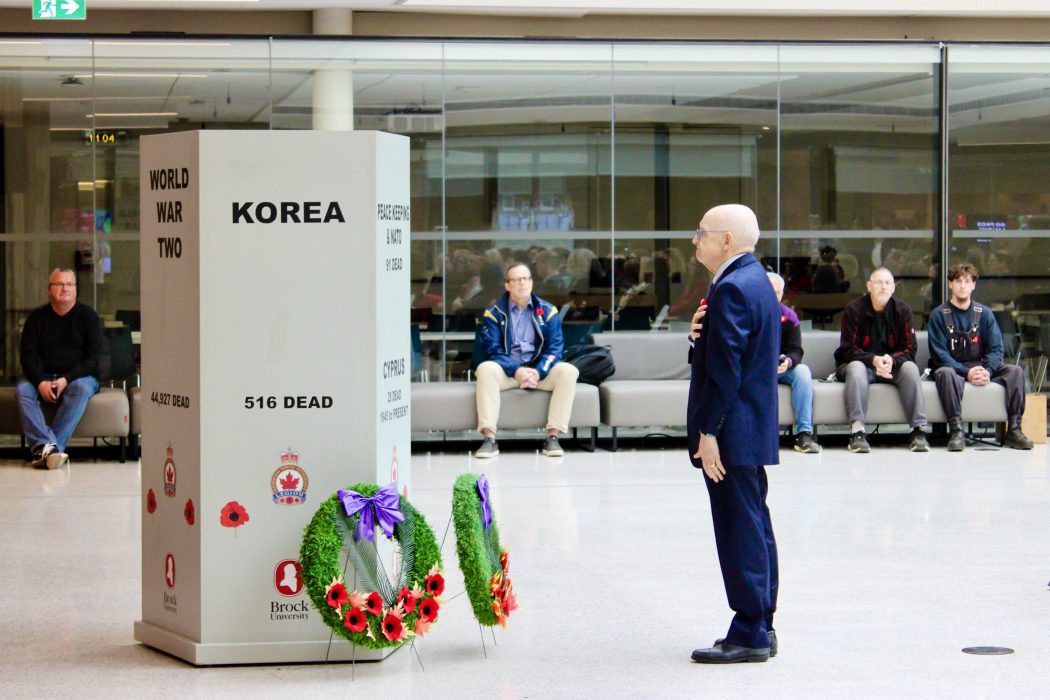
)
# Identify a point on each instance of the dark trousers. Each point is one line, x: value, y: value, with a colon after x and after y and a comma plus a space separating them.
x: 950, y: 389
x: 747, y: 552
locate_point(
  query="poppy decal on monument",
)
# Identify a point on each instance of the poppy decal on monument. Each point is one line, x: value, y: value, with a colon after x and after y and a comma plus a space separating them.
x: 151, y: 501
x: 189, y: 512
x: 169, y: 473
x: 289, y: 482
x: 233, y: 515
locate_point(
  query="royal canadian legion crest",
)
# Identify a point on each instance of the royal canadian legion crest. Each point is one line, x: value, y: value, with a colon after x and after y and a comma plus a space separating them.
x: 169, y: 473
x: 289, y: 482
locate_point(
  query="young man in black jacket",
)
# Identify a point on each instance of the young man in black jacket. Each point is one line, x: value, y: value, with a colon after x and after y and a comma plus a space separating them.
x: 967, y: 347
x: 877, y: 344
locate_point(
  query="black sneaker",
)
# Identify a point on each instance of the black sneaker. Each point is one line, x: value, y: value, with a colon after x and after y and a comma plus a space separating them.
x: 956, y: 440
x: 858, y: 443
x: 489, y: 448
x: 805, y: 442
x: 1015, y: 439
x: 918, y: 442
x: 551, y: 448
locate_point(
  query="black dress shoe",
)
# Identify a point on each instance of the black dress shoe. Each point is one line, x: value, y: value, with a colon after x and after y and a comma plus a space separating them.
x: 772, y: 643
x: 730, y: 654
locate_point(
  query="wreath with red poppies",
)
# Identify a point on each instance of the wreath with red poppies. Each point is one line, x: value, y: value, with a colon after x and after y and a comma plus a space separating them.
x: 345, y: 578
x: 482, y: 560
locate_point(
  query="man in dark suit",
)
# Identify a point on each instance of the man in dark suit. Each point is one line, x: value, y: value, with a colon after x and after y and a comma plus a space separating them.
x: 732, y: 425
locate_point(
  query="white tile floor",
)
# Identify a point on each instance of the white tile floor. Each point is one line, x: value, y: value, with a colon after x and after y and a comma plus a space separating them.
x: 891, y: 563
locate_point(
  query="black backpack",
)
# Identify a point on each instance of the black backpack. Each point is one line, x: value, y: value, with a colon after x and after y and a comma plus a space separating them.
x: 595, y: 363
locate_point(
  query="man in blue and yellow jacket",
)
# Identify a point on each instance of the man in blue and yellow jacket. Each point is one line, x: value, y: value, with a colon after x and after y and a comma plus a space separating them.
x: 522, y: 342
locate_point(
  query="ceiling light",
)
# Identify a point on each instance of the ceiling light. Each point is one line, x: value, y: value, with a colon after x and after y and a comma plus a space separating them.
x: 88, y: 129
x: 144, y: 75
x: 133, y: 44
x: 132, y: 114
x: 107, y: 98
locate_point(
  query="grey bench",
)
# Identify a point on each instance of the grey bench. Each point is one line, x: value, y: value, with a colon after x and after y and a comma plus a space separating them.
x: 451, y: 406
x: 980, y: 404
x: 107, y: 416
x: 651, y: 385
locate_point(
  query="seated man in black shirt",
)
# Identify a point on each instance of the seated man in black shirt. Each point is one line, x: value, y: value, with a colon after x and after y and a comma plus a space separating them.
x: 61, y: 345
x: 877, y: 344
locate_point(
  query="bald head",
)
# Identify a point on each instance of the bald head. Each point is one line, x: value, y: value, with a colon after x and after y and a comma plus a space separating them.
x: 738, y: 219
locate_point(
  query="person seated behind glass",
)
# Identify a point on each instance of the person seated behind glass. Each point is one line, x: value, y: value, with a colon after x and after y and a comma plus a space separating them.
x: 967, y: 347
x: 61, y: 347
x: 877, y: 344
x: 792, y: 372
x: 522, y: 342
x: 829, y: 276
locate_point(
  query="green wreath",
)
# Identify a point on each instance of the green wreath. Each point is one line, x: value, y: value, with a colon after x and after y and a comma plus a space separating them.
x: 379, y: 614
x: 481, y: 559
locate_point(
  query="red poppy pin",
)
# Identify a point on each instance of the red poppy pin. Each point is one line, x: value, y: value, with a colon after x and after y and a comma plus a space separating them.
x: 189, y: 512
x: 539, y: 312
x: 233, y: 515
x: 151, y: 501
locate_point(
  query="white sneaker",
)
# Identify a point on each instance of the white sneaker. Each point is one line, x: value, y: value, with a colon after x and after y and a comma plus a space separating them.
x: 56, y: 460
x: 40, y: 460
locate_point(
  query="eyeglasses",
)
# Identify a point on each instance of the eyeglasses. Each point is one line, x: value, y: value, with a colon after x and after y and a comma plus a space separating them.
x: 518, y: 280
x: 882, y: 283
x: 700, y: 233
x: 64, y: 285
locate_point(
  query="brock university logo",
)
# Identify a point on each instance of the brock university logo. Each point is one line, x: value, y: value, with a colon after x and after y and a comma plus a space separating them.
x: 289, y: 482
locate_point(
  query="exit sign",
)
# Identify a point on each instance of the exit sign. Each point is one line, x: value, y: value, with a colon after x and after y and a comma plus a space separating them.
x: 59, y: 9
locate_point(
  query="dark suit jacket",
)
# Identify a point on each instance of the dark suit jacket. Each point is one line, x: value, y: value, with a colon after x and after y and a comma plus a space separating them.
x: 733, y: 387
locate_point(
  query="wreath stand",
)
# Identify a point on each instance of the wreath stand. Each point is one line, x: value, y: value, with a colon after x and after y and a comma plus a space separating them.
x: 353, y: 647
x: 481, y: 628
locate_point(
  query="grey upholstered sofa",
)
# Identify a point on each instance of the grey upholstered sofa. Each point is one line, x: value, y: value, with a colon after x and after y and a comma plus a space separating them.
x: 107, y: 415
x: 451, y: 406
x: 651, y: 385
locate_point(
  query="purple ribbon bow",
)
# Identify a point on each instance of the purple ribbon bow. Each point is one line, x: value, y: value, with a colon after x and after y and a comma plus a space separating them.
x: 382, y: 506
x: 482, y: 485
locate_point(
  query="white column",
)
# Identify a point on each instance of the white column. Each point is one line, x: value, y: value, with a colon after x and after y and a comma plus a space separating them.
x: 333, y: 89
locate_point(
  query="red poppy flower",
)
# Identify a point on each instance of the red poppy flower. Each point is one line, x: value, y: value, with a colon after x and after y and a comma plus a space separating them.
x: 405, y: 597
x: 151, y: 501
x: 392, y: 628
x: 355, y: 620
x: 428, y: 609
x: 435, y: 584
x: 189, y: 512
x: 504, y: 560
x: 335, y: 594
x: 539, y: 312
x: 233, y: 515
x: 374, y: 603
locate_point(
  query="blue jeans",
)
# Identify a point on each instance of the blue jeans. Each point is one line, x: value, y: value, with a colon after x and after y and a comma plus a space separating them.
x: 71, y: 407
x: 801, y: 381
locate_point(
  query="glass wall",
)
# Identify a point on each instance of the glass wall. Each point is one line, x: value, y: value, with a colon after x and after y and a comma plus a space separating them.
x: 859, y: 174
x: 592, y: 161
x: 696, y: 126
x: 998, y: 197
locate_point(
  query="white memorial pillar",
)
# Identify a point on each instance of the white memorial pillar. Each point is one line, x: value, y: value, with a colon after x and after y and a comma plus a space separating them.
x: 276, y: 369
